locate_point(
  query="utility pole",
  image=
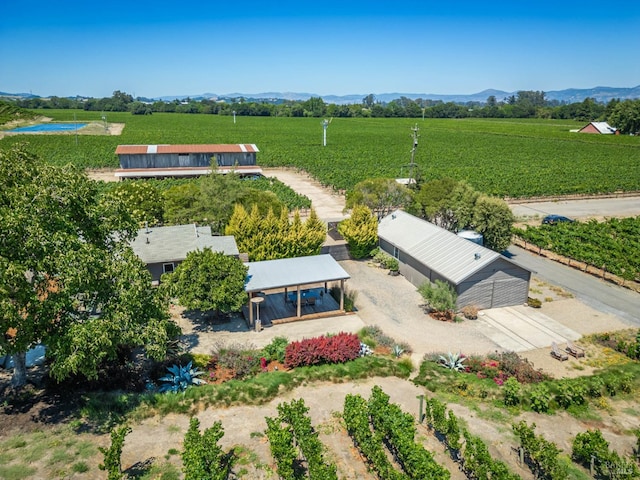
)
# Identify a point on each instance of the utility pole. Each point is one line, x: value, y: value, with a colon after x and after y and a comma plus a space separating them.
x: 415, y: 136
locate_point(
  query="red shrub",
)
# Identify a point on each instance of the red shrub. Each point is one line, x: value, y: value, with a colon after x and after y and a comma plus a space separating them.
x: 313, y: 351
x: 342, y: 348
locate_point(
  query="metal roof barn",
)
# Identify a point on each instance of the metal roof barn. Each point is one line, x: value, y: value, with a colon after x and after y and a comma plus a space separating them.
x: 182, y: 160
x: 426, y: 252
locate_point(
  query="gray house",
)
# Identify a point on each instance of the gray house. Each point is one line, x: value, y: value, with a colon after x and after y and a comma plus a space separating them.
x: 426, y: 252
x: 185, y: 160
x: 163, y: 248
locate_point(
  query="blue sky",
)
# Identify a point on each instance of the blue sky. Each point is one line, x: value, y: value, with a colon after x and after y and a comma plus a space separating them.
x: 326, y: 47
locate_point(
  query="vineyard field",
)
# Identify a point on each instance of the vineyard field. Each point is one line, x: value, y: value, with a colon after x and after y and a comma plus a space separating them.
x: 613, y: 245
x: 515, y: 158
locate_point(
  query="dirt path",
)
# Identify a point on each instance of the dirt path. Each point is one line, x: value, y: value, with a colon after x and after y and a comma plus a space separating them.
x: 329, y: 205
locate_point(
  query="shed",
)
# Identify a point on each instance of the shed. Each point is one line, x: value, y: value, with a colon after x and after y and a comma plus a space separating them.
x: 185, y: 160
x: 602, y: 128
x: 162, y: 249
x: 426, y: 252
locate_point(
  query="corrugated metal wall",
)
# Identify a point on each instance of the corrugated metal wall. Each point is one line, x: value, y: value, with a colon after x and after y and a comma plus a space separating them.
x: 499, y: 284
x: 233, y: 159
x: 172, y: 160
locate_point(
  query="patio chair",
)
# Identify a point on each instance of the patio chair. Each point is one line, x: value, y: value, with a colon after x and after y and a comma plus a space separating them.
x: 574, y: 350
x: 311, y: 302
x: 557, y: 354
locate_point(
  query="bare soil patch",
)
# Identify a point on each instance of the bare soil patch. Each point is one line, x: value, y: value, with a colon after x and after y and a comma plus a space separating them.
x: 102, y: 174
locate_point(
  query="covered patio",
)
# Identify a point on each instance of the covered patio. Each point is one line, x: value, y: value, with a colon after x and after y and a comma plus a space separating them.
x: 291, y: 289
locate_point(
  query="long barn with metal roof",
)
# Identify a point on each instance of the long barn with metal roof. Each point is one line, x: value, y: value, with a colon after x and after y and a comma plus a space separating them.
x: 426, y: 252
x: 186, y: 160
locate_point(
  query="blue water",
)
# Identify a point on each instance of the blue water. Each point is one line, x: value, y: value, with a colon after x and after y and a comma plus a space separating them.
x: 50, y: 127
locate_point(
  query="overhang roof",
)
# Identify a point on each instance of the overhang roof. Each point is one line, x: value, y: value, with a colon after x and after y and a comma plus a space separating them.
x: 290, y: 272
x: 171, y: 244
x: 185, y: 171
x: 444, y: 252
x: 186, y: 149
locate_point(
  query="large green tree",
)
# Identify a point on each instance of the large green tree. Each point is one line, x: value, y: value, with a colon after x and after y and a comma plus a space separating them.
x: 445, y: 202
x: 143, y: 200
x: 211, y: 200
x: 381, y: 195
x: 455, y: 205
x: 208, y: 281
x: 493, y: 218
x: 625, y: 116
x: 68, y: 277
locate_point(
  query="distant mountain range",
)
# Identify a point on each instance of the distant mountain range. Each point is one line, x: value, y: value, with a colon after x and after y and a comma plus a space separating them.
x: 570, y: 95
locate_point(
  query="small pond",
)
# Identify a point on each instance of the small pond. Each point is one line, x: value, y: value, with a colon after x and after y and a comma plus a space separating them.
x: 49, y: 127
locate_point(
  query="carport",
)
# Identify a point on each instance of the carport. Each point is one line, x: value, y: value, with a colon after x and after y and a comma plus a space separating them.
x: 298, y: 287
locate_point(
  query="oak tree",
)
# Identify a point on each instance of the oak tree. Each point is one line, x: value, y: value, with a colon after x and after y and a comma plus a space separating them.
x: 69, y: 278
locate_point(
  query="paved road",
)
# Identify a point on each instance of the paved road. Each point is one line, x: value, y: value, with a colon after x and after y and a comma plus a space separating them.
x: 580, y: 209
x: 598, y: 294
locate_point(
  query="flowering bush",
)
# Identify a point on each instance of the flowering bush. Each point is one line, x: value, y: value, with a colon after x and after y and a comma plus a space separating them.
x: 338, y: 348
x: 501, y: 366
x: 365, y: 350
x: 240, y: 359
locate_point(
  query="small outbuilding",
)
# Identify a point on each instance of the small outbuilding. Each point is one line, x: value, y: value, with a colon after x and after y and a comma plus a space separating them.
x: 139, y: 161
x: 425, y: 252
x: 162, y: 249
x: 300, y: 287
x: 602, y: 128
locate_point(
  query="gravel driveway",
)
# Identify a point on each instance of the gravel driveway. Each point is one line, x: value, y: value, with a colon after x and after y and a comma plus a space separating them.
x: 393, y: 303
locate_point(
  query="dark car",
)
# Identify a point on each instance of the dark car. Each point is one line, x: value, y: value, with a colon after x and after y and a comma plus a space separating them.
x: 553, y: 219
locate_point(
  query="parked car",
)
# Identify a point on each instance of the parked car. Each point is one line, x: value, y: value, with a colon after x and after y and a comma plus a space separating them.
x: 553, y: 219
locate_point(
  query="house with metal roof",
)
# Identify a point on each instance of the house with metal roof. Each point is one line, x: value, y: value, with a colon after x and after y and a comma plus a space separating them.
x: 140, y: 161
x: 481, y: 277
x: 602, y: 128
x: 162, y: 249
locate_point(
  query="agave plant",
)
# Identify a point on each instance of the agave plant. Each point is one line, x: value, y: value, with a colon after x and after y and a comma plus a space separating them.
x: 397, y: 351
x: 453, y: 361
x: 179, y: 378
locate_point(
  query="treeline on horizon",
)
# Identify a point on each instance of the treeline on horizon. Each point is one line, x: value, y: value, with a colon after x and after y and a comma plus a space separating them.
x: 624, y: 115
